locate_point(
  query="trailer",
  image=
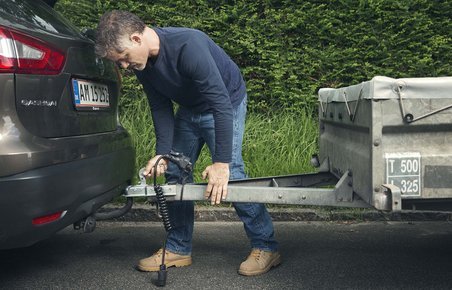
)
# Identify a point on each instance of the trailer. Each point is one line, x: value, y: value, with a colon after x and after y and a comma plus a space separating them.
x: 384, y: 143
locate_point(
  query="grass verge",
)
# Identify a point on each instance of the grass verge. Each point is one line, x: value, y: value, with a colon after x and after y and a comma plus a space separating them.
x: 274, y: 144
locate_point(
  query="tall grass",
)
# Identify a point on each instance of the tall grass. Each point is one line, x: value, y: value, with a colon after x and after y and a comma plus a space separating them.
x: 135, y: 116
x: 274, y: 144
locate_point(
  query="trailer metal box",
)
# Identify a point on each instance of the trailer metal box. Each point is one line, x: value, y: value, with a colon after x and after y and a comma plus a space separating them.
x: 391, y: 135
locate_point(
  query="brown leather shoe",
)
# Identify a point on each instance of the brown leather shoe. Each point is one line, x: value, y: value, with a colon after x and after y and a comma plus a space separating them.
x: 152, y: 263
x: 259, y: 262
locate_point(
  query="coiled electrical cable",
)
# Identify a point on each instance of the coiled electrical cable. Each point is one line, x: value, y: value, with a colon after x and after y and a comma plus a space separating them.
x: 161, y: 200
x: 164, y: 213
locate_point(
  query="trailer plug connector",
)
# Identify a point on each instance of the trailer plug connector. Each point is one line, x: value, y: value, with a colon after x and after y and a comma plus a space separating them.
x: 180, y: 160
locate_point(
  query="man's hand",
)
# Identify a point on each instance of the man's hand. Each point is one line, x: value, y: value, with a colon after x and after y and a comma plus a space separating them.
x: 161, y: 167
x: 217, y: 188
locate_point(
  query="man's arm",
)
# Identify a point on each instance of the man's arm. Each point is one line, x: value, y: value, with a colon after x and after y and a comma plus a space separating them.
x: 198, y: 64
x: 163, y: 119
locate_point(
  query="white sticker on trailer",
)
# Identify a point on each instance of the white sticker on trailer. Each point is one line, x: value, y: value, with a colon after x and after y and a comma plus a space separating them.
x: 404, y: 171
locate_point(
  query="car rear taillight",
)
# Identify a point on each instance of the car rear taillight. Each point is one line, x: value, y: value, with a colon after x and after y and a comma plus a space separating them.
x: 48, y: 218
x: 23, y: 54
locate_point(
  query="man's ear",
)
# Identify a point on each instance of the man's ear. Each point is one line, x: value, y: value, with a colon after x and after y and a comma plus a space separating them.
x: 136, y: 38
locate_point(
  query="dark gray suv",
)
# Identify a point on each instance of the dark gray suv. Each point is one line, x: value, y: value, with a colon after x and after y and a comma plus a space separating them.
x: 63, y: 153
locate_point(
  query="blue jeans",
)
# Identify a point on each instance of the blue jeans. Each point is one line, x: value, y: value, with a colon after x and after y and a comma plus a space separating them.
x: 191, y: 131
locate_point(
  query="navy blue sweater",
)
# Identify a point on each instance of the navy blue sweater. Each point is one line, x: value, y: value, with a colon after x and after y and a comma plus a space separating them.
x: 194, y: 72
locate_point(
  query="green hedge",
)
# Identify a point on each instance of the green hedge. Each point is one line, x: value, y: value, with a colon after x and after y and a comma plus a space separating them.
x: 288, y: 49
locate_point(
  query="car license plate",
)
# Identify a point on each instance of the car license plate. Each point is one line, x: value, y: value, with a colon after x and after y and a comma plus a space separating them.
x: 90, y: 95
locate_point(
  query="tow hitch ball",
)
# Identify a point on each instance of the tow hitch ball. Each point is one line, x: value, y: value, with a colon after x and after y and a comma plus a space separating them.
x: 87, y: 224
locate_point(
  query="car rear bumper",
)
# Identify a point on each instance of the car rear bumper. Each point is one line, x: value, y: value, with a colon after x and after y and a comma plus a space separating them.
x: 78, y: 188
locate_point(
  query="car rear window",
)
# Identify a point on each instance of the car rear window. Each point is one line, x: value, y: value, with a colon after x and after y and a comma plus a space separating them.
x: 38, y: 14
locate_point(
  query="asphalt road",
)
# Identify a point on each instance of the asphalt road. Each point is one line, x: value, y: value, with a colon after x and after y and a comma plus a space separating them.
x: 316, y: 255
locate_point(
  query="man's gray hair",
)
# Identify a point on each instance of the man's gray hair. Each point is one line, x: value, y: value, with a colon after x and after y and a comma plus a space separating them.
x: 113, y: 27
